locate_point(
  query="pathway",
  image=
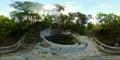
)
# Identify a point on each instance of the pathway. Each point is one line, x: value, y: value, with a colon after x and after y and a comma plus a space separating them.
x: 91, y: 53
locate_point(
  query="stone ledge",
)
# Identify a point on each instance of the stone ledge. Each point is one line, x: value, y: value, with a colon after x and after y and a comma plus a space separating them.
x: 58, y: 48
x: 104, y: 47
x: 13, y: 47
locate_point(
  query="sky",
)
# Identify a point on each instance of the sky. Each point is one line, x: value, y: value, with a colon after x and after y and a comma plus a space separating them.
x: 92, y: 7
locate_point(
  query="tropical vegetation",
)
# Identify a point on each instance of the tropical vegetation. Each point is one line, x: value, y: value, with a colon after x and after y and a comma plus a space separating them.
x: 108, y: 31
x: 26, y: 20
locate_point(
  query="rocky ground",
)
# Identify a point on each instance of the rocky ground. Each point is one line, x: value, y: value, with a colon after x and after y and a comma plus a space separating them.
x: 29, y: 52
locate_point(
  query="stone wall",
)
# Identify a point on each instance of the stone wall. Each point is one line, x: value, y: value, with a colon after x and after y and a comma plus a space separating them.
x: 13, y: 47
x: 105, y: 47
x: 58, y: 48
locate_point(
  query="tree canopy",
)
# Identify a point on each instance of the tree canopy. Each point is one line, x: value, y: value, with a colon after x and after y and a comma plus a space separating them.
x: 24, y: 10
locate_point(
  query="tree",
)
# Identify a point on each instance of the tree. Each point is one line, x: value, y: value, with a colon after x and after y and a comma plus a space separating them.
x: 59, y: 8
x: 82, y: 18
x: 6, y: 27
x: 71, y: 15
x: 108, y: 19
x: 3, y: 20
x: 24, y: 10
x: 89, y: 26
x: 109, y: 30
x: 59, y: 17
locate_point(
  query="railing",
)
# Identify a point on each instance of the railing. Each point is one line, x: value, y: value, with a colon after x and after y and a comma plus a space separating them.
x: 105, y: 47
x: 63, y: 49
x: 13, y: 47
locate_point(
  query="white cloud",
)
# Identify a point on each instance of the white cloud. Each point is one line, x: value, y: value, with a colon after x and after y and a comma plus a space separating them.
x: 68, y: 3
x: 118, y: 13
x: 1, y: 14
x: 71, y: 9
x: 48, y: 7
x: 93, y: 20
x: 105, y: 6
x: 68, y: 7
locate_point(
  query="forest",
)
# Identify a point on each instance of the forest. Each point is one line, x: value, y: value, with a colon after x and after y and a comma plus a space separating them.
x: 26, y: 20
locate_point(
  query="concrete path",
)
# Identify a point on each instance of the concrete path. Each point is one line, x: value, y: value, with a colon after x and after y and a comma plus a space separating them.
x: 91, y: 53
x: 33, y: 57
x: 92, y: 49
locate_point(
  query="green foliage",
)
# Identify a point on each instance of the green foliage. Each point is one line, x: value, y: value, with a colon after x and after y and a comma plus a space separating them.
x: 67, y: 23
x: 109, y: 29
x: 24, y: 11
x: 25, y: 5
x: 75, y: 27
x: 47, y: 22
x: 25, y: 19
x: 6, y: 26
x: 59, y: 7
x: 89, y: 26
x: 10, y: 31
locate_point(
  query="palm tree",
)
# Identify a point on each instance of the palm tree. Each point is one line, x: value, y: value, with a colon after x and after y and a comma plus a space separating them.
x: 59, y: 8
x: 23, y: 10
x: 18, y: 16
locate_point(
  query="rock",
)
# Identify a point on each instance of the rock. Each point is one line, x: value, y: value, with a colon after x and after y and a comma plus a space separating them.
x: 13, y: 58
x: 35, y: 51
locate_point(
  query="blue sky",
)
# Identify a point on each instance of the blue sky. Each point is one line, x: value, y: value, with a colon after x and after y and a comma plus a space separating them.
x: 84, y: 6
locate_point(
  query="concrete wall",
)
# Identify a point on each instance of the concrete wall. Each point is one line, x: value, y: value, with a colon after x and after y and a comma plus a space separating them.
x: 58, y: 48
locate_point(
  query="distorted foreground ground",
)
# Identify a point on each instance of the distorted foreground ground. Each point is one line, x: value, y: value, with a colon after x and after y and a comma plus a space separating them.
x: 29, y: 52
